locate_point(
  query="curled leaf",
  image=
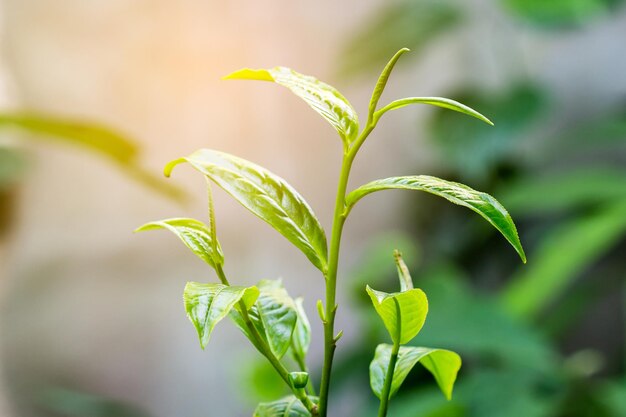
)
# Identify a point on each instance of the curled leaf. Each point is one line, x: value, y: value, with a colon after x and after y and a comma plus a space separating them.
x: 403, y: 313
x: 443, y: 364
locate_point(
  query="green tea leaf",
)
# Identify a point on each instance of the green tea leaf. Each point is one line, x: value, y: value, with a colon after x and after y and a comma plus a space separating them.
x: 207, y: 304
x: 433, y: 101
x: 402, y: 313
x: 321, y: 97
x: 484, y: 204
x: 267, y: 196
x: 285, y: 407
x: 382, y: 82
x: 194, y: 234
x: 301, y: 338
x: 274, y: 315
x: 443, y: 364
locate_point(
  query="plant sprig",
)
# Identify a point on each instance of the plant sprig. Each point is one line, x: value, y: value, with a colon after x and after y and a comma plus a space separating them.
x: 274, y: 322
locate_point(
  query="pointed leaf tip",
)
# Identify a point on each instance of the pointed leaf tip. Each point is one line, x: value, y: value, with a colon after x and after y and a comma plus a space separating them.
x: 249, y: 74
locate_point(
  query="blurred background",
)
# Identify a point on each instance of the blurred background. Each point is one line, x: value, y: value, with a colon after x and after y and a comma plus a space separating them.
x: 91, y: 316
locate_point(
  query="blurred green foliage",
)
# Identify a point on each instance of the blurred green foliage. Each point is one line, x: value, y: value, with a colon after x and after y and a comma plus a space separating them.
x: 543, y: 340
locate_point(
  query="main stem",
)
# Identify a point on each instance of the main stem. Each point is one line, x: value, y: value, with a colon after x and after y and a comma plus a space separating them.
x: 339, y: 218
x: 330, y: 342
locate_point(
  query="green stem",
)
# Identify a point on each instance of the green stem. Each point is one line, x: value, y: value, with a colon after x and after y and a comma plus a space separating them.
x: 384, y: 397
x: 339, y: 218
x: 265, y: 350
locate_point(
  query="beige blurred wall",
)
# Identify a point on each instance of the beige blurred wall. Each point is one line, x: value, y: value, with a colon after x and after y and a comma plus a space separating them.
x: 89, y: 304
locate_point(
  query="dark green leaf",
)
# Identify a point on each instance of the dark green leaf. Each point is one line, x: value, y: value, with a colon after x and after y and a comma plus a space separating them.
x: 207, y: 304
x: 433, y: 101
x: 322, y: 98
x: 443, y: 364
x: 285, y: 407
x: 582, y: 241
x: 558, y: 14
x: 266, y: 195
x: 481, y: 203
x: 402, y: 313
x: 194, y: 234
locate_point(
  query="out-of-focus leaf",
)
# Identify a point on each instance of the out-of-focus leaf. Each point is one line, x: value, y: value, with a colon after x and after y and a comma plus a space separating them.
x: 258, y: 380
x: 12, y: 165
x: 94, y: 137
x: 321, y: 97
x: 601, y: 139
x: 207, y: 304
x: 71, y: 403
x: 285, y: 407
x: 89, y: 135
x: 373, y: 265
x: 443, y: 364
x: 613, y: 396
x: 266, y: 195
x: 445, y: 103
x: 560, y: 14
x: 473, y: 148
x: 411, y: 24
x: 274, y: 315
x: 403, y: 313
x: 481, y: 203
x: 301, y: 338
x: 485, y: 393
x: 476, y: 325
x: 194, y: 234
x: 567, y: 251
x: 566, y: 191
